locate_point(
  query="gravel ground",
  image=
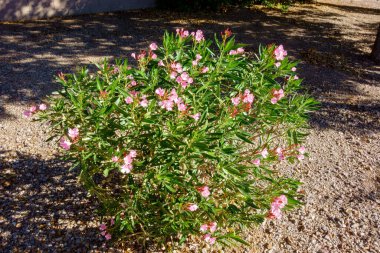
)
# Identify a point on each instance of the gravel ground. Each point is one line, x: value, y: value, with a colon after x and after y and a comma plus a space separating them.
x: 43, y: 209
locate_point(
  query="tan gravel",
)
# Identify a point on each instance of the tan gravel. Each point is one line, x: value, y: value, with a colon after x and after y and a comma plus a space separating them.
x: 42, y: 208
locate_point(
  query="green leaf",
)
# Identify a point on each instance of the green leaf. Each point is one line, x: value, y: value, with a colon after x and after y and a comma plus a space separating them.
x: 236, y: 238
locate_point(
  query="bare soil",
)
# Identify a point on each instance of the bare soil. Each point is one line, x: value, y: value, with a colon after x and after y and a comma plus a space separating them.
x: 43, y: 209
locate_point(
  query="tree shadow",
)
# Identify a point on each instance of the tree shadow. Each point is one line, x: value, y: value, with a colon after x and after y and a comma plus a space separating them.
x: 32, y: 9
x: 32, y: 52
x: 42, y: 207
x: 355, y: 9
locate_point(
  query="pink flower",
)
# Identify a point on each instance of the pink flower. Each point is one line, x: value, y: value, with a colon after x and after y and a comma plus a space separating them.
x: 161, y: 63
x: 126, y: 168
x: 141, y: 55
x: 108, y: 236
x: 179, y: 79
x: 195, y: 63
x: 181, y: 107
x: 205, y: 70
x: 27, y: 113
x: 281, y: 156
x: 212, y: 240
x: 212, y: 226
x: 173, y: 96
x: 302, y: 150
x: 235, y: 101
x: 296, y: 77
x: 42, y: 107
x: 190, y: 80
x: 196, y: 116
x: 232, y: 52
x: 173, y: 75
x: 279, y: 93
x: 277, y: 64
x: 33, y: 109
x: 102, y: 227
x: 133, y: 153
x: 133, y: 83
x: 248, y: 97
x: 160, y: 92
x: 73, y: 133
x: 280, y: 53
x: 185, y: 76
x: 182, y: 33
x: 240, y: 50
x: 265, y: 153
x: 294, y: 69
x: 184, y: 84
x: 178, y: 67
x: 144, y: 102
x: 133, y: 55
x: 274, y: 213
x: 209, y: 239
x: 192, y: 207
x: 65, y: 144
x: 129, y: 100
x: 300, y: 157
x: 274, y: 100
x: 199, y: 36
x: 128, y: 159
x: 204, y: 227
x: 134, y: 93
x: 115, y: 159
x: 166, y: 104
x: 206, y: 237
x: 280, y: 202
x: 154, y: 56
x: 256, y: 162
x: 112, y: 221
x: 198, y: 57
x: 204, y: 191
x: 153, y: 46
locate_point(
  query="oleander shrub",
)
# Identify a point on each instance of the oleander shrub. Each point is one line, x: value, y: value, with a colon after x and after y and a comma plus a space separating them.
x: 183, y: 141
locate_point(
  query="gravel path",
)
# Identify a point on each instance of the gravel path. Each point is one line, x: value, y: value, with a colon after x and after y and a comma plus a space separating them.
x: 42, y: 208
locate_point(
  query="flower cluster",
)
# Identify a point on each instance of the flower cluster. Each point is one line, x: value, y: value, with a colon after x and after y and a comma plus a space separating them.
x: 211, y: 227
x: 103, y: 231
x: 73, y: 133
x: 277, y: 95
x: 182, y: 33
x: 191, y: 207
x: 128, y: 161
x: 246, y: 99
x: 280, y: 53
x: 168, y: 101
x: 240, y: 50
x: 301, y: 152
x: 198, y: 57
x: 34, y: 109
x: 276, y: 206
x: 204, y: 191
x: 198, y: 35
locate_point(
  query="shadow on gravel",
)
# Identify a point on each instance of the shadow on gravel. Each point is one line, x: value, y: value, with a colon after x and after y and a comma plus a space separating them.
x: 32, y: 52
x: 42, y: 208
